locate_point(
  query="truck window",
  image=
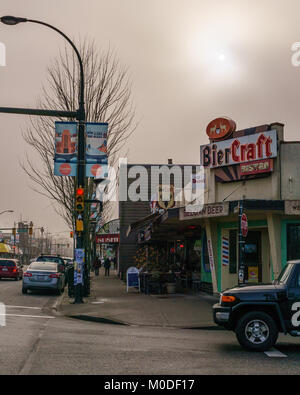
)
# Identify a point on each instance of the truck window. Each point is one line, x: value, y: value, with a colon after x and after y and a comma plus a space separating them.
x: 285, y: 274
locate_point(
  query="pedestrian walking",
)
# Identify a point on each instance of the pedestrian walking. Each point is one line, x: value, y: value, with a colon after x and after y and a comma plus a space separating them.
x: 107, y: 267
x: 97, y: 265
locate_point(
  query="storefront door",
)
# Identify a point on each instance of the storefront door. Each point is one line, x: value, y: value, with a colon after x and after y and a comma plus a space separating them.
x: 252, y: 257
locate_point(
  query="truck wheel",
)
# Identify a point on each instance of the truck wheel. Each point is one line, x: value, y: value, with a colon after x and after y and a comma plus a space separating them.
x: 256, y: 331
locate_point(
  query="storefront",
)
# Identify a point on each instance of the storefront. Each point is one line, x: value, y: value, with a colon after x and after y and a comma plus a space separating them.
x: 253, y: 168
x: 108, y: 240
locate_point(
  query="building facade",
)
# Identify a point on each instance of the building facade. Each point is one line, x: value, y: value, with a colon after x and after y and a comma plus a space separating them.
x: 255, y: 169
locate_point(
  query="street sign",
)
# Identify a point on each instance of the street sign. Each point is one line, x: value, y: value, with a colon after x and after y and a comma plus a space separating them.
x: 244, y: 225
x: 22, y: 230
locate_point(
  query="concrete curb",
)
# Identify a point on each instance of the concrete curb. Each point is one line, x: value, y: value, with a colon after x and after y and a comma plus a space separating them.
x: 56, y: 306
x: 114, y: 321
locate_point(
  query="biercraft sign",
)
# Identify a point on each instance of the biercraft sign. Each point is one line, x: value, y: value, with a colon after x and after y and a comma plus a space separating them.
x: 257, y: 167
x: 208, y: 211
x: 239, y: 150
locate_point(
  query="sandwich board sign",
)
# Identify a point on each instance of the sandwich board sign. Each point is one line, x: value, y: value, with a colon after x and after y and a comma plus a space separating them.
x: 133, y: 280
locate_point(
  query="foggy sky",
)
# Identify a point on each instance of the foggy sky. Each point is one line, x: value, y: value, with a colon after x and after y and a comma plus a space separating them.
x: 173, y: 50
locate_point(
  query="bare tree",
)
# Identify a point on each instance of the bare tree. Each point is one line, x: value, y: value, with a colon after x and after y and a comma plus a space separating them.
x: 107, y: 99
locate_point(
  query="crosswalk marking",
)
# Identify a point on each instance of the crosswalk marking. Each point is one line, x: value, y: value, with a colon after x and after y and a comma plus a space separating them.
x: 273, y: 353
x: 23, y: 307
x: 28, y: 316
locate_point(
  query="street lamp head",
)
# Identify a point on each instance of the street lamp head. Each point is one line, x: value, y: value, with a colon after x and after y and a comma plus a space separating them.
x: 12, y: 20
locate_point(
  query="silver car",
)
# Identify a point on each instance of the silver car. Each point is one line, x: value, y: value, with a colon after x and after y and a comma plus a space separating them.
x: 43, y: 276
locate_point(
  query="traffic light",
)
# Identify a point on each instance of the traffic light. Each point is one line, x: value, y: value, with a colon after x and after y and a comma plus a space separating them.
x: 14, y: 231
x: 79, y: 203
x: 71, y: 234
x: 30, y: 228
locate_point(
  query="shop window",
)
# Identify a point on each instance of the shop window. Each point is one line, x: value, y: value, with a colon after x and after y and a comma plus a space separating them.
x: 232, y: 252
x: 293, y: 241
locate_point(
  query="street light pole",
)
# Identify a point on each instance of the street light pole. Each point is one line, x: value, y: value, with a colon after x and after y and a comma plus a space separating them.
x: 80, y: 116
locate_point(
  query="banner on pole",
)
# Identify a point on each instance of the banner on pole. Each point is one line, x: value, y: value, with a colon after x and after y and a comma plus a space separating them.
x: 96, y: 149
x: 65, y: 157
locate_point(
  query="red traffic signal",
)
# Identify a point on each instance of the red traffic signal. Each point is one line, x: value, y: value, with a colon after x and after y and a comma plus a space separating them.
x: 79, y: 203
x: 79, y: 191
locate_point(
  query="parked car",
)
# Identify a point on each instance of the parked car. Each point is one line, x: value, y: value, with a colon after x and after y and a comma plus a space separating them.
x: 257, y: 313
x: 11, y: 268
x: 43, y: 276
x: 52, y: 258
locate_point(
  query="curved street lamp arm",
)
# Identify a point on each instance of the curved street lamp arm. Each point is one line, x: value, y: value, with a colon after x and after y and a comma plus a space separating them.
x: 81, y: 114
x: 6, y: 211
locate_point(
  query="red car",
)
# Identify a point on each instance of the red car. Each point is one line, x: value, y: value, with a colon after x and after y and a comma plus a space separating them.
x: 10, y: 268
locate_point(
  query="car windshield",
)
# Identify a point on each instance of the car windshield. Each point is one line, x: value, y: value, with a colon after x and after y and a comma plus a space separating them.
x: 55, y: 259
x: 285, y: 274
x: 7, y: 263
x: 47, y: 266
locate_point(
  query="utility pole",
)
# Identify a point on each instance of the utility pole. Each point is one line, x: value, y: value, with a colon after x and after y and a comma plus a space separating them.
x: 80, y: 117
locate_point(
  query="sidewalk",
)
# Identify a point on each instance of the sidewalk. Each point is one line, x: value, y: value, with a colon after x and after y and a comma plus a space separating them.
x: 110, y: 302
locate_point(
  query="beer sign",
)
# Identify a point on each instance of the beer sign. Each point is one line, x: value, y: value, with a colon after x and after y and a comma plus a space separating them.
x: 220, y: 128
x: 243, y: 149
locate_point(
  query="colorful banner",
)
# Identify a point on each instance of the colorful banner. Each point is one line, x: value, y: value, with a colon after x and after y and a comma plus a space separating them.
x: 96, y: 150
x: 65, y: 157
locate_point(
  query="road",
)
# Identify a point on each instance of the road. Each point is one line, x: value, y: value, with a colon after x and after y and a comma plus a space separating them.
x: 35, y: 341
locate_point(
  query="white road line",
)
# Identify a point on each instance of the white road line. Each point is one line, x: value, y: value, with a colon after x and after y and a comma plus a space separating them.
x: 273, y: 353
x: 27, y: 315
x: 23, y: 307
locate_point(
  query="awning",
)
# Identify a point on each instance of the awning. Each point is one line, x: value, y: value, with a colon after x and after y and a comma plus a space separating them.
x: 5, y: 248
x: 141, y: 223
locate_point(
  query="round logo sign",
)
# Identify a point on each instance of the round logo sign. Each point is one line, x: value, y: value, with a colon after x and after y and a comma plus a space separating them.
x: 244, y: 225
x: 96, y: 170
x: 65, y: 169
x: 220, y: 128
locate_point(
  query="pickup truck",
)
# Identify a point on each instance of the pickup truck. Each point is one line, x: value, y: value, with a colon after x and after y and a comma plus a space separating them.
x: 258, y: 313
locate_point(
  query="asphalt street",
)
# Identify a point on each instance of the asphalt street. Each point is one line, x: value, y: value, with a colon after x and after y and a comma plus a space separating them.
x: 37, y: 341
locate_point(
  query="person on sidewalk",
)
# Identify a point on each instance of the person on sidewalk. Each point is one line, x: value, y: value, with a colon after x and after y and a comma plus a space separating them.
x: 97, y: 265
x: 107, y: 267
